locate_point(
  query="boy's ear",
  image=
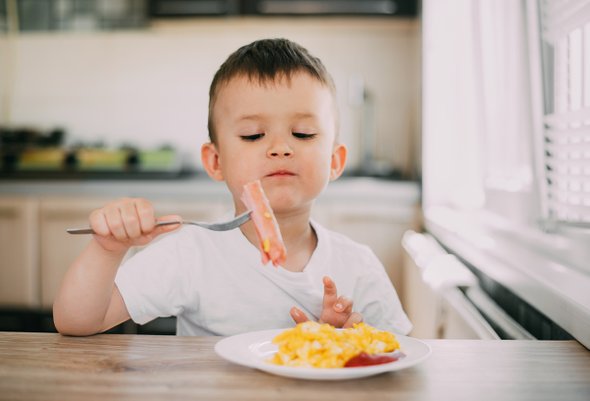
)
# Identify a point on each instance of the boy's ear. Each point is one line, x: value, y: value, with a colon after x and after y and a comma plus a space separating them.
x: 211, y: 161
x: 338, y: 161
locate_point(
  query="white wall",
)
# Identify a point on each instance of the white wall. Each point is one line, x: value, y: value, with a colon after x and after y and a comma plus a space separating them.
x: 150, y: 87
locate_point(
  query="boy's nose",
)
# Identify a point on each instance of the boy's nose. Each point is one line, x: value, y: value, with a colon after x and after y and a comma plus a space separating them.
x: 280, y: 150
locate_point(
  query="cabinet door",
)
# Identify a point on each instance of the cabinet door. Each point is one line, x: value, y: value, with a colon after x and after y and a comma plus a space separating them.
x: 59, y: 249
x: 19, y: 273
x: 378, y: 225
x: 421, y: 303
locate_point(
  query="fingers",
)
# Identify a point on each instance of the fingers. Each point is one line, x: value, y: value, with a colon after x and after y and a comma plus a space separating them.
x: 131, y: 220
x: 98, y: 223
x: 331, y: 299
x: 145, y: 213
x: 126, y: 219
x: 297, y: 315
x: 353, y: 319
x: 115, y: 222
x: 167, y: 228
x: 337, y: 311
x: 330, y: 293
x: 343, y: 305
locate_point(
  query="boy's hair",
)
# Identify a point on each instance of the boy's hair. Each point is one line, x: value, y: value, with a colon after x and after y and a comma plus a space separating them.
x: 264, y: 61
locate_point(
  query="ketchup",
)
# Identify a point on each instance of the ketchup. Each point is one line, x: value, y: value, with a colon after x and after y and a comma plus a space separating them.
x: 364, y: 359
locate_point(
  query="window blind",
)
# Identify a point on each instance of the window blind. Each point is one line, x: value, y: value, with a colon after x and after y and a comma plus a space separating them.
x: 566, y: 64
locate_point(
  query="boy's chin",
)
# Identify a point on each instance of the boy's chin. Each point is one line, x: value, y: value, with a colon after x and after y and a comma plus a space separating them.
x: 285, y: 206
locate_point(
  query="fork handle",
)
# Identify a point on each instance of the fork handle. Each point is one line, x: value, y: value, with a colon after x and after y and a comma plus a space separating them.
x: 80, y: 231
x: 91, y: 231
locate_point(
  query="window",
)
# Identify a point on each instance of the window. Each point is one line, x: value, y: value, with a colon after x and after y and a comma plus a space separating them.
x: 476, y: 108
x: 506, y: 120
x: 565, y: 27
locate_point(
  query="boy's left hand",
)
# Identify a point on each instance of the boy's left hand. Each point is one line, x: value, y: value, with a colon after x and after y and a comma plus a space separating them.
x: 336, y: 311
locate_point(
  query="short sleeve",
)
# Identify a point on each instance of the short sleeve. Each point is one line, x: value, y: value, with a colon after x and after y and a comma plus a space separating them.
x: 377, y: 300
x: 155, y: 281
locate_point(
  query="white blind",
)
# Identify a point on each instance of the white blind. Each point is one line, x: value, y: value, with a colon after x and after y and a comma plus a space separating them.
x: 566, y: 63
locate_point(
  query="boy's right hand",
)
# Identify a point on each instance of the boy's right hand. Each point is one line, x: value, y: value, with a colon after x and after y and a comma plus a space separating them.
x: 336, y: 310
x: 127, y: 222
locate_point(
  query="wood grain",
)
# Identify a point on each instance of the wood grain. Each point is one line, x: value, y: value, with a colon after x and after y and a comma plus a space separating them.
x: 42, y: 366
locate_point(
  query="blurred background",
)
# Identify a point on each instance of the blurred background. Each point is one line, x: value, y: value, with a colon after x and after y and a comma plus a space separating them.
x: 101, y: 99
x: 136, y: 73
x: 467, y: 121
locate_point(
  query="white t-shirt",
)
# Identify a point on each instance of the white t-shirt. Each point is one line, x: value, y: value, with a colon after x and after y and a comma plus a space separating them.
x: 216, y: 284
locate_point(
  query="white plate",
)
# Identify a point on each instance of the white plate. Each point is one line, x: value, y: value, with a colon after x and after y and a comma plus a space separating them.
x: 255, y: 348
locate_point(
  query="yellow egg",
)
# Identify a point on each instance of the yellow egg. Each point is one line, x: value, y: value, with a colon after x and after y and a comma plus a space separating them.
x: 318, y: 345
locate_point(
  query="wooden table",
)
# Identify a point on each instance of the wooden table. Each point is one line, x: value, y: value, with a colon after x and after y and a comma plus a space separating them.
x: 43, y: 366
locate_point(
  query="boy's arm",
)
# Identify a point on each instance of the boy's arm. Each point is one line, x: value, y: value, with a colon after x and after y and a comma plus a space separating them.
x: 88, y: 301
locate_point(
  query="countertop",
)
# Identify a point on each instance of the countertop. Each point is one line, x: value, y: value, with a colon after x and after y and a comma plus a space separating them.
x: 349, y: 188
x: 47, y: 366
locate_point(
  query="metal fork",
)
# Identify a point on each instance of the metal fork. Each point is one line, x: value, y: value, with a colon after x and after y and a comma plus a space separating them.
x: 221, y: 226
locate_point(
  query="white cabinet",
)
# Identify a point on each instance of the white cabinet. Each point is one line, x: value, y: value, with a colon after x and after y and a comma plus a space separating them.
x: 19, y: 273
x: 421, y: 303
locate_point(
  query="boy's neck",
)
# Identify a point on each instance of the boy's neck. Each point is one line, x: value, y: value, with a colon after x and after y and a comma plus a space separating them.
x: 299, y: 237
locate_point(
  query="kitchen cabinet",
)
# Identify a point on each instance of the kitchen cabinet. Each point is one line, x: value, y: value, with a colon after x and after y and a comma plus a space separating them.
x: 421, y: 303
x: 36, y: 250
x: 19, y: 276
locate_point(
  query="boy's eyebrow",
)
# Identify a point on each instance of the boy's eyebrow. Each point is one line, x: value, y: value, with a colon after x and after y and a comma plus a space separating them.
x: 301, y: 115
x: 304, y: 115
x: 250, y: 117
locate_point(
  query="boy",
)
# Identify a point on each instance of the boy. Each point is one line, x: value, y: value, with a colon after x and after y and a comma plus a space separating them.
x: 273, y: 117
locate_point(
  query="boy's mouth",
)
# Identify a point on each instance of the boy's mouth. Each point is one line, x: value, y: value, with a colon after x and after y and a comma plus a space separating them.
x: 281, y: 173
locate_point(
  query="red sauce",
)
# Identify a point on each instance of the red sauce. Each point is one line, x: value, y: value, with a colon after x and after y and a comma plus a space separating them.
x: 364, y: 359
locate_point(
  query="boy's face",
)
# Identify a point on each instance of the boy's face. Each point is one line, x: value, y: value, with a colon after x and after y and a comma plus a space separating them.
x: 280, y: 132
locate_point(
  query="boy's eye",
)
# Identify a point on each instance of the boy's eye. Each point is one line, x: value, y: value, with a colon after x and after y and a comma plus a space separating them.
x: 252, y: 137
x: 302, y: 135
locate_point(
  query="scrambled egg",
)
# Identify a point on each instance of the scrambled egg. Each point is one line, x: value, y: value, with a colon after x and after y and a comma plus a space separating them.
x: 312, y: 344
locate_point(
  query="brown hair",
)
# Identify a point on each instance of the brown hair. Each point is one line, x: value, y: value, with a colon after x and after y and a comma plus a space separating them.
x: 264, y: 61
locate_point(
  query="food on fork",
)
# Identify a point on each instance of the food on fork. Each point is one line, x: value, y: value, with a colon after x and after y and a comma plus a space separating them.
x: 311, y: 344
x: 270, y: 240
